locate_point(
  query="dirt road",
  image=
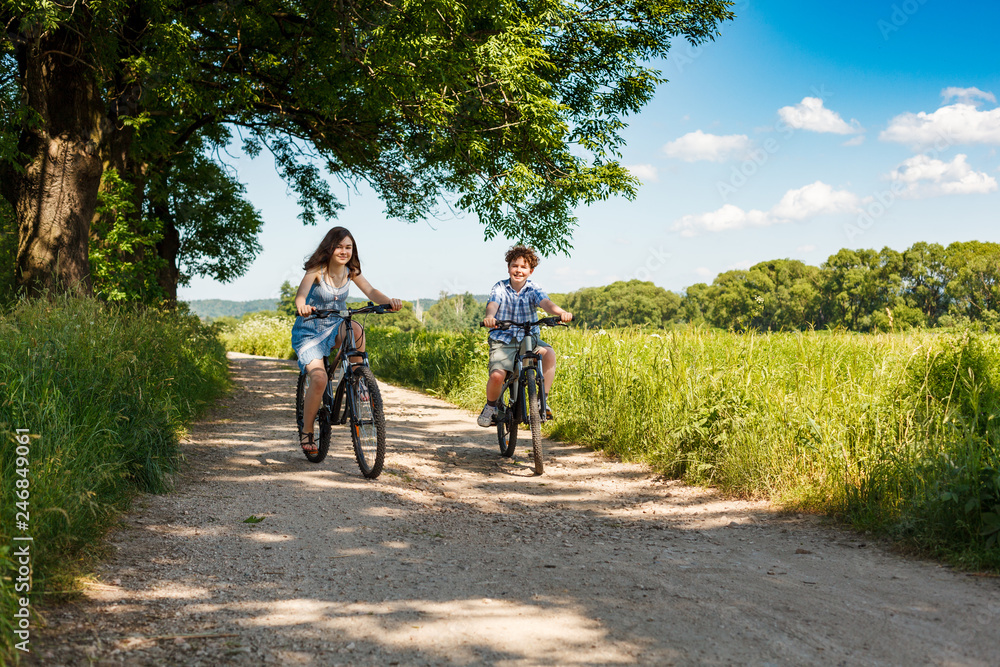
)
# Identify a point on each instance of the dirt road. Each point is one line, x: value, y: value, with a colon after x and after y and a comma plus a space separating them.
x: 455, y: 556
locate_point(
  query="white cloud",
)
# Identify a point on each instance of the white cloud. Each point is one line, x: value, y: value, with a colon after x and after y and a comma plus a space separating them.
x: 855, y: 141
x: 959, y: 123
x: 806, y: 202
x: 805, y: 248
x: 704, y: 272
x: 742, y: 265
x: 967, y: 95
x: 811, y: 200
x: 696, y: 146
x: 923, y: 176
x: 644, y: 172
x: 810, y: 114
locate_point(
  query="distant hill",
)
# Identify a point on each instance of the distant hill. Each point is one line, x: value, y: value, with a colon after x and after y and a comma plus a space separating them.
x: 209, y: 309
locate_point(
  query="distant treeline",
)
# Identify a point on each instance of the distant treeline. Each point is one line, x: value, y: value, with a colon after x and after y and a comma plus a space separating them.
x: 210, y: 309
x: 927, y: 285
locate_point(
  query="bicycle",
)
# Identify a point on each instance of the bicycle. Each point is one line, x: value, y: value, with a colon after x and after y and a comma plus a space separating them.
x: 363, y: 404
x: 522, y: 397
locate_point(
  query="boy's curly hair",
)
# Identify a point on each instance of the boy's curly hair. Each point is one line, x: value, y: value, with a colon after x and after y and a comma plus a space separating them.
x: 522, y: 251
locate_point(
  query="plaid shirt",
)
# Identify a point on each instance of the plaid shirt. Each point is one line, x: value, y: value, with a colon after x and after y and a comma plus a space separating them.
x: 516, y: 306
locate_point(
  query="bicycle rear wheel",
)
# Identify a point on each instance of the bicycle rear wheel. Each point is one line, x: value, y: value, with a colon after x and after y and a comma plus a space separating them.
x: 534, y: 418
x: 321, y: 422
x: 506, y: 424
x: 367, y: 422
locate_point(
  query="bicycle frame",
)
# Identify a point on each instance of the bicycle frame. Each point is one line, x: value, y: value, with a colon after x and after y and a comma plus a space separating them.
x: 333, y: 398
x: 516, y: 379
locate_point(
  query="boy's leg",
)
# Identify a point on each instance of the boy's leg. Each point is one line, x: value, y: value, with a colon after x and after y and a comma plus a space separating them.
x: 501, y: 361
x: 548, y: 366
x: 494, y: 385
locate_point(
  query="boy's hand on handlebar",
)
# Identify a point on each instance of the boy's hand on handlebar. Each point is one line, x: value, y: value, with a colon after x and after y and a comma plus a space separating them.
x: 565, y: 316
x: 490, y: 322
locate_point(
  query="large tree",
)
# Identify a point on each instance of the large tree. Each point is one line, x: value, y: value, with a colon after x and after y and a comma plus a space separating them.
x: 508, y: 109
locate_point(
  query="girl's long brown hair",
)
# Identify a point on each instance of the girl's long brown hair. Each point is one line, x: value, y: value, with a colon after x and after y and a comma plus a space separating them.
x: 321, y: 258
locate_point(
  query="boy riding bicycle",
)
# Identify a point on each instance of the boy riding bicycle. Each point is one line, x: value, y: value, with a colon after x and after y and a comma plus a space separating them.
x: 516, y: 299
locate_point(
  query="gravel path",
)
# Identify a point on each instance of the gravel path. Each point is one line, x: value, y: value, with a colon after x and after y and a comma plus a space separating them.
x: 455, y: 556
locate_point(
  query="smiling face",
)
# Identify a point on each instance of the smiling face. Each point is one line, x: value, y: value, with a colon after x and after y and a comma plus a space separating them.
x: 343, y: 252
x: 519, y: 270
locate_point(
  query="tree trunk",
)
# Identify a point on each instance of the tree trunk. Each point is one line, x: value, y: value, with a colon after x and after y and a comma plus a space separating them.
x: 167, y: 248
x: 55, y: 197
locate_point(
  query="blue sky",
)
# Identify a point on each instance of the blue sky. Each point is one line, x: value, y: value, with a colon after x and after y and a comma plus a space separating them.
x: 806, y: 127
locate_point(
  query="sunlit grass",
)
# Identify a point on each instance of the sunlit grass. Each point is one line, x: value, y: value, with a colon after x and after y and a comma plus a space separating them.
x: 105, y: 393
x: 896, y: 433
x: 263, y: 334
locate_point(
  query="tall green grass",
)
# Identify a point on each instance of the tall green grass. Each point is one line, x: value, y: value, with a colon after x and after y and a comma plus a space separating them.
x: 105, y: 393
x: 895, y: 433
x: 898, y: 434
x: 265, y: 334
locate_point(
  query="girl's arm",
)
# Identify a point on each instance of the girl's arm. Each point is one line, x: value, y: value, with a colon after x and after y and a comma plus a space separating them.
x: 303, y: 291
x: 374, y: 295
x: 553, y: 309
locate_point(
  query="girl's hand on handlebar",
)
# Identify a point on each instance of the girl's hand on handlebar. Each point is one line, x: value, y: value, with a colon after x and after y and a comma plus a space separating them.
x: 305, y: 309
x: 394, y: 305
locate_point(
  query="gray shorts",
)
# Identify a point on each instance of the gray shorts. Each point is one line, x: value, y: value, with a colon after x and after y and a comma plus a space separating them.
x: 502, y: 354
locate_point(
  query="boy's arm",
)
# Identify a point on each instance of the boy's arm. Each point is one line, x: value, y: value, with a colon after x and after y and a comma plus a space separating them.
x: 553, y: 309
x: 491, y: 310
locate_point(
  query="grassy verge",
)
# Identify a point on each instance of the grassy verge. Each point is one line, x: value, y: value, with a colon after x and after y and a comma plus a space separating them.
x: 897, y: 434
x: 103, y: 394
x: 259, y: 333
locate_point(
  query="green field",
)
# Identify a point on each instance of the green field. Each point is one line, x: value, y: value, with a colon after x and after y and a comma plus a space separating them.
x: 894, y: 433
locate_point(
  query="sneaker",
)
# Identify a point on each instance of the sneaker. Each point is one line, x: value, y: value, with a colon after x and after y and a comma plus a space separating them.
x: 548, y: 413
x: 486, y: 417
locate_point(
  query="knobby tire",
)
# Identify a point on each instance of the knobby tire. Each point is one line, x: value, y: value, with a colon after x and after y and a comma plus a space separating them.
x: 367, y: 422
x: 534, y: 419
x: 507, y: 424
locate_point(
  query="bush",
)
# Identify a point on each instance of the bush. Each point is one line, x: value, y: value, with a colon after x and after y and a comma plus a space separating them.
x: 264, y: 334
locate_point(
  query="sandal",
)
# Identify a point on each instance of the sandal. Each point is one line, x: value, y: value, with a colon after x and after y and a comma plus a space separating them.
x: 307, y: 443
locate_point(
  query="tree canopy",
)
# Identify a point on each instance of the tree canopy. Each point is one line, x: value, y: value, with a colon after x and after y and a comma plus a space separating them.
x: 508, y: 110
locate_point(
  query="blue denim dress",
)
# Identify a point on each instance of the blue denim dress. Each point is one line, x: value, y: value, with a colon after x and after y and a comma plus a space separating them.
x: 313, y: 339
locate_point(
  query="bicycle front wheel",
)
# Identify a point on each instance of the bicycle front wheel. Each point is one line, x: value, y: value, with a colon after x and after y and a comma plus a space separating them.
x: 506, y: 424
x: 321, y: 422
x: 367, y: 422
x: 534, y: 418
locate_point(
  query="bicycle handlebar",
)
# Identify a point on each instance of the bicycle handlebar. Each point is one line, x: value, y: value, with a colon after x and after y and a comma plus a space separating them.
x: 553, y: 321
x: 378, y: 309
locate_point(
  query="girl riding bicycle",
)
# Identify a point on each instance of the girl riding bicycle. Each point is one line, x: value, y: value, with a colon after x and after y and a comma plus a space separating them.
x: 329, y: 272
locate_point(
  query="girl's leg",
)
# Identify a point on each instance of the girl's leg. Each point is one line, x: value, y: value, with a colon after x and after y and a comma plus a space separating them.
x: 359, y: 339
x: 314, y: 395
x: 548, y: 366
